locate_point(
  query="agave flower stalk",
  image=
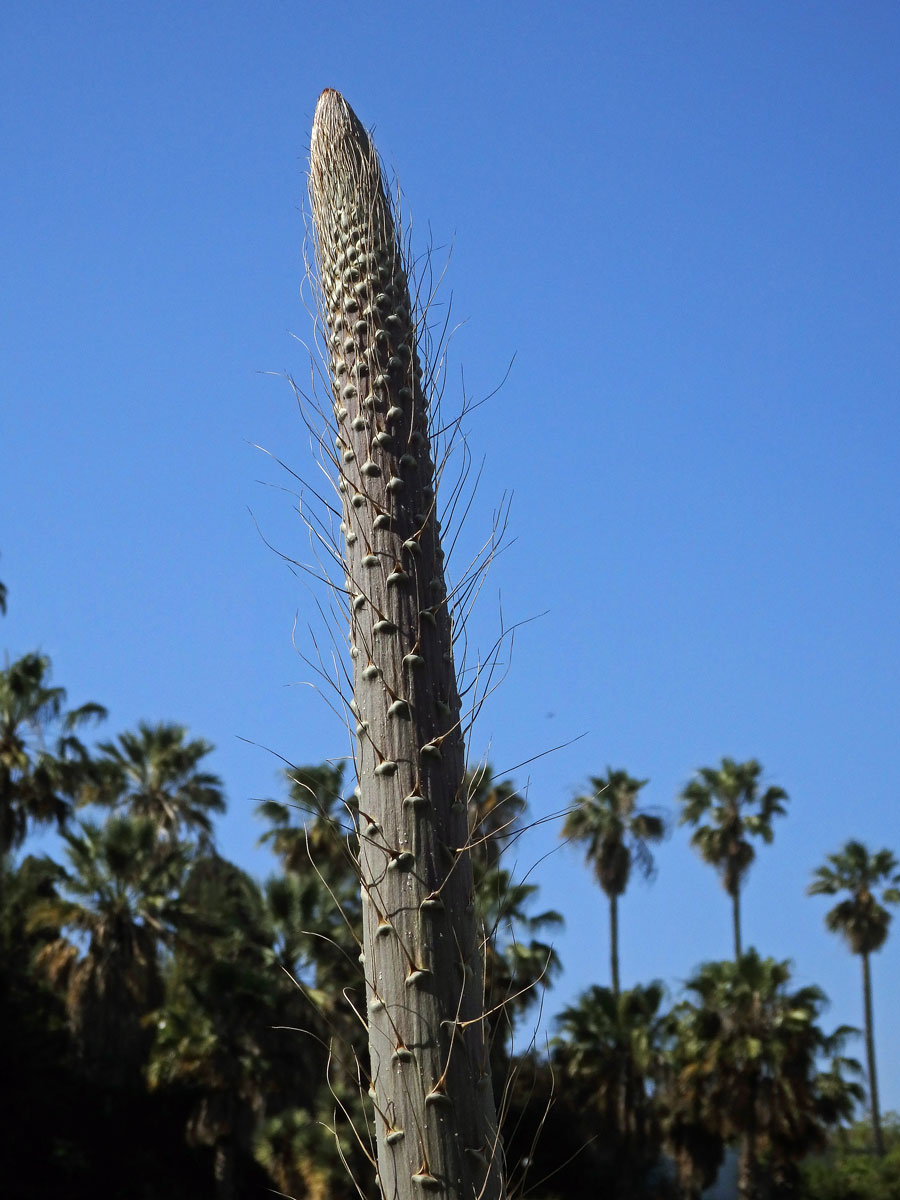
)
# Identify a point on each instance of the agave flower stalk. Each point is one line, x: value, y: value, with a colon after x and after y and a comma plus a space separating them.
x: 431, y: 1087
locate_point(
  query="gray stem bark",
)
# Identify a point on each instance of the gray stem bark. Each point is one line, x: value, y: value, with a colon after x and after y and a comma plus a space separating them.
x: 431, y: 1086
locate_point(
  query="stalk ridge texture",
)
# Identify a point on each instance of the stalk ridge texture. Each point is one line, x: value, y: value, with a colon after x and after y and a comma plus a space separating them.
x: 431, y: 1086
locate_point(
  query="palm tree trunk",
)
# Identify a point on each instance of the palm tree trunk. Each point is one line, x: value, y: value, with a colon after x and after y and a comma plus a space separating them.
x: 686, y: 1176
x: 436, y: 1126
x: 736, y: 921
x: 747, y: 1167
x: 877, y: 1139
x: 614, y: 942
x: 223, y: 1168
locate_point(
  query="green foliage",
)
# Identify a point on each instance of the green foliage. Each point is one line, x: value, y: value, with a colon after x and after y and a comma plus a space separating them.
x: 518, y: 960
x: 313, y: 834
x: 860, y: 919
x: 210, y: 1033
x: 615, y: 833
x: 727, y: 808
x: 113, y: 911
x: 745, y: 1066
x: 304, y: 1154
x: 849, y: 1171
x: 496, y: 816
x: 170, y: 1026
x: 43, y: 764
x: 612, y: 1053
x: 155, y: 774
x: 863, y: 922
x: 65, y: 1131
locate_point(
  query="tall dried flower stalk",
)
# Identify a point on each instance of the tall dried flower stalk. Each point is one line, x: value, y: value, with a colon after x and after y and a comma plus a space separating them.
x: 431, y: 1085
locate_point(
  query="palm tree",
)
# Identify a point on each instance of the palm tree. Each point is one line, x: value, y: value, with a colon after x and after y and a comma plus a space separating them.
x: 42, y: 762
x: 863, y: 922
x: 616, y: 836
x: 308, y: 1139
x: 314, y: 912
x: 518, y: 962
x: 612, y: 1051
x: 496, y: 811
x: 746, y: 1062
x: 316, y: 826
x: 155, y: 773
x: 838, y: 1086
x: 118, y: 901
x: 3, y: 594
x: 214, y: 1029
x: 315, y: 904
x: 314, y: 938
x: 304, y: 1154
x: 693, y: 1135
x: 725, y: 806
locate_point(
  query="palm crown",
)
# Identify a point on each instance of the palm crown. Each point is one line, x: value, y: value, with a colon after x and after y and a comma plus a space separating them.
x: 859, y: 918
x: 616, y: 835
x: 118, y: 901
x: 155, y: 773
x: 727, y: 808
x: 41, y: 759
x: 614, y: 832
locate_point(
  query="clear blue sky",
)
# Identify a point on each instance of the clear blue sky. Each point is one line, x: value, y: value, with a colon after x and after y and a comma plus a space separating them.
x: 681, y: 218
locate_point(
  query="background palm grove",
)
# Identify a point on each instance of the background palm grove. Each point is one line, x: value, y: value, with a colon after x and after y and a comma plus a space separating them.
x: 173, y: 1025
x: 681, y: 220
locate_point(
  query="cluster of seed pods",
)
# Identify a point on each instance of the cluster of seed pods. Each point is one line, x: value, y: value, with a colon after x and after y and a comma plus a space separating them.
x: 430, y: 1080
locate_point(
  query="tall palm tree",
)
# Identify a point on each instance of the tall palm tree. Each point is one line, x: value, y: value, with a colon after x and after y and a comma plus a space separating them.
x: 314, y: 911
x: 308, y: 1140
x: 693, y: 1135
x: 727, y: 808
x: 315, y: 935
x: 42, y: 762
x: 616, y: 835
x: 155, y: 773
x: 863, y: 922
